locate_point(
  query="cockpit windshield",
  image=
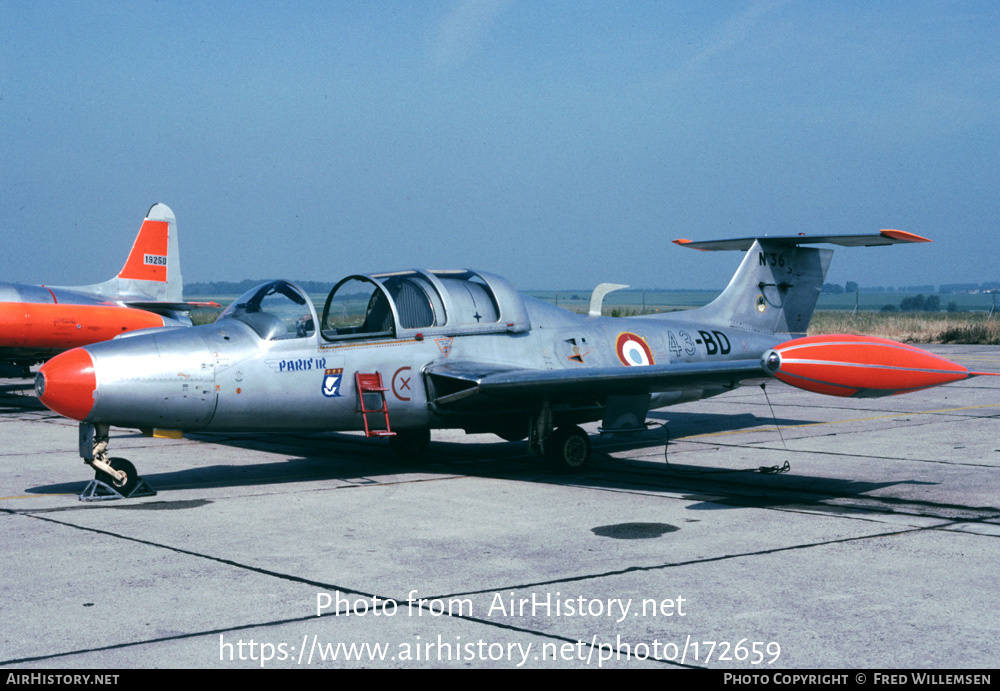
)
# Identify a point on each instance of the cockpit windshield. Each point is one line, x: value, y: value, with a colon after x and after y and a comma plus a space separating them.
x: 275, y: 310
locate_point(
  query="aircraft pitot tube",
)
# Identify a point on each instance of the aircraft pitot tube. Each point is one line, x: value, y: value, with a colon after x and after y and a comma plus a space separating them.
x: 859, y: 366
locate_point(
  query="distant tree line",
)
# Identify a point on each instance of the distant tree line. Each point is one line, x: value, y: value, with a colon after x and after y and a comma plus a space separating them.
x: 234, y: 288
x: 968, y: 287
x: 836, y: 288
x: 946, y: 288
x: 919, y: 303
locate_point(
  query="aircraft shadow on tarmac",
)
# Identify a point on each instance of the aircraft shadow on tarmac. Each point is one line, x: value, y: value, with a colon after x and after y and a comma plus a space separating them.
x: 19, y: 396
x: 357, y: 461
x: 689, y: 424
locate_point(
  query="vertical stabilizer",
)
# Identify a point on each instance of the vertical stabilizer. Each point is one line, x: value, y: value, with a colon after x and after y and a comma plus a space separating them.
x: 777, y: 285
x: 152, y: 271
x: 774, y: 290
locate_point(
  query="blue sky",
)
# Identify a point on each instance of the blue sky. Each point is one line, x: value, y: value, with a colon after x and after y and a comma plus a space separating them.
x: 557, y: 143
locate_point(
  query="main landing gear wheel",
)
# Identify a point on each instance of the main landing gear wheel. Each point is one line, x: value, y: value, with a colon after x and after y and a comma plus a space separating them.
x: 568, y: 449
x: 410, y: 442
x: 124, y: 466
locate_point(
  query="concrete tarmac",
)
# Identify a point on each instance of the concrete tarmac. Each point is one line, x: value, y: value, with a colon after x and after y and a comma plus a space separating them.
x: 878, y: 548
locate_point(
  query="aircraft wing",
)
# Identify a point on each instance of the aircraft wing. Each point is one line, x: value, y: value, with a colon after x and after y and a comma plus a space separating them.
x: 455, y: 381
x: 884, y: 237
x: 167, y: 307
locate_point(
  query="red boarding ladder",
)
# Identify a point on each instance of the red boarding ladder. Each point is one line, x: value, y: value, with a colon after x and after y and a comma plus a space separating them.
x: 372, y: 383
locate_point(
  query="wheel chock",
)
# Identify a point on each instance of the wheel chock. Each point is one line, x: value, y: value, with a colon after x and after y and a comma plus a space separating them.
x: 102, y: 491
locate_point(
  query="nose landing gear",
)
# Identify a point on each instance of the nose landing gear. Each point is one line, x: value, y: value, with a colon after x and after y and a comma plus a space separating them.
x: 125, y: 480
x: 114, y: 478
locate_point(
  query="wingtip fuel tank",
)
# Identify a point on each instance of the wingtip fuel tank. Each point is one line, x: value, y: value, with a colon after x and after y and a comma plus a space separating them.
x: 859, y: 366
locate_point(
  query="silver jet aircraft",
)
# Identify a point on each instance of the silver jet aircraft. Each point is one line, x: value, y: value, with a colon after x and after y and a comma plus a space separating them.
x: 398, y: 354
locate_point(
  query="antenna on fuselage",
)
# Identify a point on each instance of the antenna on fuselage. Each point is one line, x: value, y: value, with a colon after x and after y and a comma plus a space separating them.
x: 597, y: 297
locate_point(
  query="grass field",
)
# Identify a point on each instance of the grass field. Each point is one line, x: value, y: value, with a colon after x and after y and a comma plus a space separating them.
x: 918, y: 327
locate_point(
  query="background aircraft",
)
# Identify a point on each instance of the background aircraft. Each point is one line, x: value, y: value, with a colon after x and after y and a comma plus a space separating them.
x: 37, y: 322
x: 397, y: 354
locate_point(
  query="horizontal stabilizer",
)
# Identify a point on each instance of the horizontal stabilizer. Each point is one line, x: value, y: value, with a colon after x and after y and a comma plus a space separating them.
x: 162, y: 307
x: 884, y: 237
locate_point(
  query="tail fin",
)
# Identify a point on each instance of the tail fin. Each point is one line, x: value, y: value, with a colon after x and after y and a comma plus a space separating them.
x: 777, y: 285
x: 774, y: 290
x: 152, y: 271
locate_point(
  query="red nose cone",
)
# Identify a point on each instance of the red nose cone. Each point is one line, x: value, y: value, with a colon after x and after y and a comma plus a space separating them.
x: 66, y: 384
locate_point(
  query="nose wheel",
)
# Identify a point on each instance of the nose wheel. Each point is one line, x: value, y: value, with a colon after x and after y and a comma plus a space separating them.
x: 125, y: 486
x: 114, y: 478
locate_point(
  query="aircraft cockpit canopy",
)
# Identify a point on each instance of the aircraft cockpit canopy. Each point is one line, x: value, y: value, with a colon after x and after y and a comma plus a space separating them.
x: 274, y: 310
x: 412, y: 302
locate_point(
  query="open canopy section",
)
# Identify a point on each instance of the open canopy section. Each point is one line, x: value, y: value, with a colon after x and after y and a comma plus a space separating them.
x: 274, y: 310
x: 415, y: 302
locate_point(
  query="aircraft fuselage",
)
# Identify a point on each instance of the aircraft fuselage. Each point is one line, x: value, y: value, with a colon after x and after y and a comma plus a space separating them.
x: 416, y: 350
x: 225, y: 377
x: 37, y: 322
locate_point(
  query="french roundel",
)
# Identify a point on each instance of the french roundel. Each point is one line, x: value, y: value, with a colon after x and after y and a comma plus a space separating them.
x: 633, y: 350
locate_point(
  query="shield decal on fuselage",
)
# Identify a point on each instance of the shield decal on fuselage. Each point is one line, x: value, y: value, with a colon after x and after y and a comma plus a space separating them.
x: 331, y: 382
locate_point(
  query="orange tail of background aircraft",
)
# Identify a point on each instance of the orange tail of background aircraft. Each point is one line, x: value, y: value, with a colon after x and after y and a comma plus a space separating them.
x: 36, y: 322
